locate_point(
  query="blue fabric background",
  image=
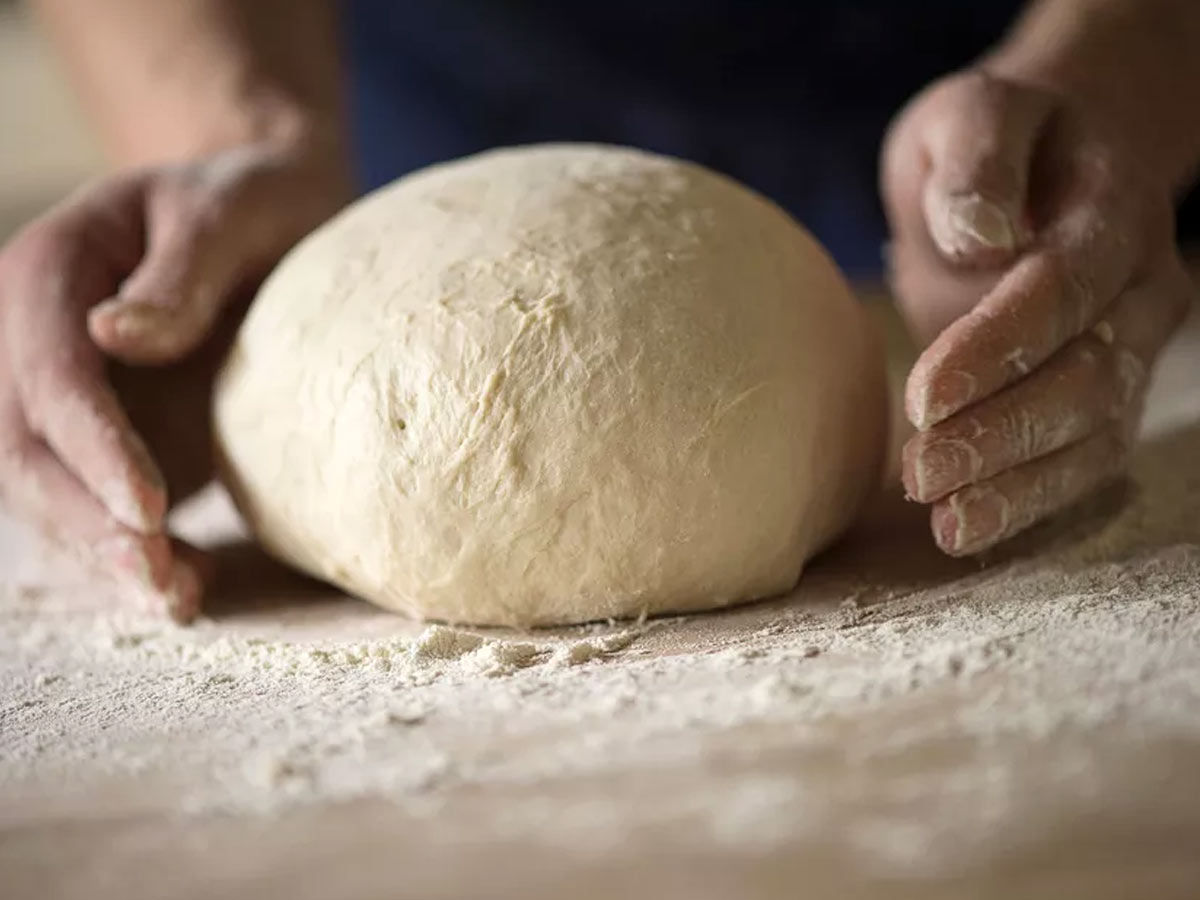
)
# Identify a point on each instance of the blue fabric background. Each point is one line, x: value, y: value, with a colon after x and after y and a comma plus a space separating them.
x: 790, y: 97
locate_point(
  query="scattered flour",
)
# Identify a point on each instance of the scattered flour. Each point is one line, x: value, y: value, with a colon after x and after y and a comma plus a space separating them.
x: 579, y: 652
x: 918, y: 711
x: 246, y: 724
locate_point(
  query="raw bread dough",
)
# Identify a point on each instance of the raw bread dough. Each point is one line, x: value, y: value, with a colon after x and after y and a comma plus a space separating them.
x: 553, y: 384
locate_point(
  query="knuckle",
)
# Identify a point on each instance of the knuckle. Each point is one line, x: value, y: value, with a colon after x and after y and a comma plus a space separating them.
x: 1037, y: 497
x: 996, y: 95
x: 1021, y: 431
x: 1113, y: 375
x: 977, y: 85
x: 1094, y: 160
x: 1075, y: 288
x: 1098, y: 360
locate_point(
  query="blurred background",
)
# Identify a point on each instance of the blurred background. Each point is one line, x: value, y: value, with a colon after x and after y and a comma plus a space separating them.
x: 819, y: 161
x: 45, y: 146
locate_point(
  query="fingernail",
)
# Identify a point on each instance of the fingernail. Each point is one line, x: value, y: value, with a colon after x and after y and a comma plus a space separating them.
x: 945, y: 528
x: 977, y: 222
x: 135, y: 322
x: 971, y: 520
x: 944, y: 394
x: 942, y: 466
x: 183, y: 594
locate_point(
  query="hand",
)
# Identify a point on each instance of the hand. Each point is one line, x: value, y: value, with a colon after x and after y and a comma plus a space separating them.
x: 1042, y: 243
x: 138, y: 268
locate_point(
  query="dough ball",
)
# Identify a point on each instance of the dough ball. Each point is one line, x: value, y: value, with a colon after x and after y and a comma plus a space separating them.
x: 553, y: 384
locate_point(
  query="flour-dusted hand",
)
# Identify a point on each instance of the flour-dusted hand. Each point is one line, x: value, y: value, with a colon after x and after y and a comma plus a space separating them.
x: 139, y: 268
x: 1037, y: 243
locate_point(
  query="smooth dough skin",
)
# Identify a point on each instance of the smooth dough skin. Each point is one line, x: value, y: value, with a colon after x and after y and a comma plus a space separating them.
x: 553, y: 384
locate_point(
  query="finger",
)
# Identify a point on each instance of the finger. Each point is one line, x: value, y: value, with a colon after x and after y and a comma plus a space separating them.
x: 1047, y: 298
x: 81, y: 419
x: 1073, y: 395
x: 930, y: 290
x: 60, y: 377
x: 930, y: 293
x: 1081, y: 389
x: 42, y: 491
x: 143, y: 565
x: 979, y: 161
x: 194, y: 574
x: 982, y: 515
x: 168, y: 305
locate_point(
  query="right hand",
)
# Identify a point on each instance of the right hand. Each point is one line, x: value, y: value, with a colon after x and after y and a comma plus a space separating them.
x: 137, y: 268
x: 1034, y: 249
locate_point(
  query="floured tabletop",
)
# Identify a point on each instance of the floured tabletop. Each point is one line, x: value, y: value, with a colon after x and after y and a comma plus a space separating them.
x: 902, y: 725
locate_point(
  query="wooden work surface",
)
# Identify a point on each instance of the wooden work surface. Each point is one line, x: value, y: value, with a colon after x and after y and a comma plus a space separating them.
x: 904, y: 725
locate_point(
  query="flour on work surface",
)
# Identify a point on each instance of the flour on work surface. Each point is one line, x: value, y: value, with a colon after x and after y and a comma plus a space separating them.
x: 244, y: 724
x: 916, y: 711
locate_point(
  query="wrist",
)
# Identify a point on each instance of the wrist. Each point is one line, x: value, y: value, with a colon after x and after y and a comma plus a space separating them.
x: 318, y: 146
x: 220, y: 122
x: 301, y: 153
x: 309, y: 158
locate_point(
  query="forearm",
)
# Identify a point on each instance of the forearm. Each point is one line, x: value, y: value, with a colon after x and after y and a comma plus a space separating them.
x: 1137, y: 62
x: 178, y: 79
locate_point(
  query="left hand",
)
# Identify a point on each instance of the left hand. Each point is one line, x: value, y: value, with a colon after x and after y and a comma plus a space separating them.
x: 147, y: 267
x: 1041, y: 246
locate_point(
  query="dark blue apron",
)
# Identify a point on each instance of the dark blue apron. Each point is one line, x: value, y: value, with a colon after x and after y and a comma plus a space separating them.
x: 790, y: 97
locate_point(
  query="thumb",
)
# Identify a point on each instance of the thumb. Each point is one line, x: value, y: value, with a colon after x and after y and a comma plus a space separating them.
x: 980, y: 149
x: 169, y: 304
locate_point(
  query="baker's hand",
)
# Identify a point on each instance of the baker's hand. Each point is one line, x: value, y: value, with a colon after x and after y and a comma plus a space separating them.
x: 1035, y: 249
x: 137, y: 268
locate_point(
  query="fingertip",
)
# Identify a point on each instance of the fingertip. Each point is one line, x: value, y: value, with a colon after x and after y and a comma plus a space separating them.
x: 184, y: 593
x: 136, y: 332
x: 916, y: 402
x: 178, y: 591
x: 947, y: 529
x: 909, y: 473
x: 144, y: 563
x: 940, y: 384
